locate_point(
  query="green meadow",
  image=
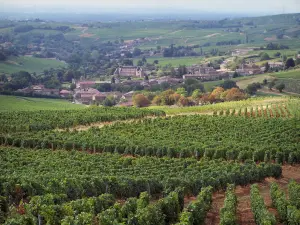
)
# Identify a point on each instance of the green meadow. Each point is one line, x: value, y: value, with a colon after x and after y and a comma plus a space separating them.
x: 16, y: 103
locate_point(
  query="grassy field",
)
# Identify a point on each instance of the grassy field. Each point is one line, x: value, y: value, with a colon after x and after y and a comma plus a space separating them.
x: 29, y: 64
x: 15, y: 103
x: 292, y: 74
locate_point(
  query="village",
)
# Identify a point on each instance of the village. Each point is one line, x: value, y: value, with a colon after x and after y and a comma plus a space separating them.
x: 86, y: 92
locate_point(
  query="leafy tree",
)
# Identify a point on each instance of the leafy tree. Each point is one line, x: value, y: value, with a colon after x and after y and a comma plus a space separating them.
x: 182, y: 92
x: 156, y: 61
x: 235, y: 94
x: 217, y: 92
x: 140, y: 63
x: 72, y: 87
x: 252, y: 88
x: 228, y: 84
x: 280, y: 87
x: 271, y: 85
x: 127, y: 62
x: 264, y: 56
x: 196, y: 94
x: 109, y: 101
x: 267, y: 67
x: 235, y: 75
x: 137, y: 52
x: 141, y: 100
x: 289, y: 63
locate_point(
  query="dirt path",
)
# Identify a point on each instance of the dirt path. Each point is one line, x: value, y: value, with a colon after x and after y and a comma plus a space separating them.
x: 244, y: 213
x: 213, y: 216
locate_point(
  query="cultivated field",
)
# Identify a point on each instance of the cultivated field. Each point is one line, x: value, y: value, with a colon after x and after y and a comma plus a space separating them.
x: 152, y: 169
x: 15, y: 103
x: 29, y: 64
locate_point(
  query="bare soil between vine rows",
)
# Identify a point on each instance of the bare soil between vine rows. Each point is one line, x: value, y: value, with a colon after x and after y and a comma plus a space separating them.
x: 244, y: 213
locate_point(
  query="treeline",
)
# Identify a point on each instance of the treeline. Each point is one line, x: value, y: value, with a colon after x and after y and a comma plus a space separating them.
x: 231, y: 42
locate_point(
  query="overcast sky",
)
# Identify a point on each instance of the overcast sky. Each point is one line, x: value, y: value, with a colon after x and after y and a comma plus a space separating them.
x: 258, y: 6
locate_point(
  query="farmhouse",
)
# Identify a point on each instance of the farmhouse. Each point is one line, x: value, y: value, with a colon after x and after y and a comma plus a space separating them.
x: 205, y: 73
x: 207, y: 77
x: 129, y: 71
x: 65, y: 93
x: 85, y: 84
x: 275, y: 65
x: 40, y: 90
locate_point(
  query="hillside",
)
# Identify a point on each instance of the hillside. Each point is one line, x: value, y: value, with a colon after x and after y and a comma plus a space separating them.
x: 14, y: 103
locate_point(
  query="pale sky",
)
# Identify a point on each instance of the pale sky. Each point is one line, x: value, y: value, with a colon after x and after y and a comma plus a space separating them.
x: 269, y: 6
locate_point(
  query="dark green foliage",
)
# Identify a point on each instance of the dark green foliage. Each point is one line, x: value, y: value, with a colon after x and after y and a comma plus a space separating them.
x: 261, y: 213
x: 228, y: 212
x: 279, y: 201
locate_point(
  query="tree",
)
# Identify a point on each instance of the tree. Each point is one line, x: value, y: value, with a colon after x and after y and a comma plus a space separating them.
x: 144, y: 60
x: 156, y: 61
x: 297, y: 62
x: 72, y: 87
x: 127, y: 62
x: 267, y: 67
x: 2, y: 56
x: 140, y: 63
x: 252, y: 88
x: 113, y: 80
x: 109, y: 101
x: 137, y: 52
x: 265, y: 82
x: 289, y: 63
x: 235, y: 94
x: 235, y: 74
x: 271, y: 85
x: 196, y: 94
x: 280, y: 87
x: 228, y: 84
x: 264, y: 56
x: 141, y: 100
x: 182, y: 92
x: 217, y: 92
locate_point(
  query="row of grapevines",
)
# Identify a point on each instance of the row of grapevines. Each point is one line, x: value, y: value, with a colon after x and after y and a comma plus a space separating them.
x: 228, y: 212
x: 44, y: 210
x: 268, y: 111
x: 294, y: 194
x: 196, y: 211
x: 261, y: 214
x: 279, y: 201
x: 231, y: 138
x: 26, y: 173
x: 288, y: 210
x: 51, y: 119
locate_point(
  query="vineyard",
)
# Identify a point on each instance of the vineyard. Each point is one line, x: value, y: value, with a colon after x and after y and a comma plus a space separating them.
x: 57, y: 183
x: 20, y: 121
x: 143, y: 167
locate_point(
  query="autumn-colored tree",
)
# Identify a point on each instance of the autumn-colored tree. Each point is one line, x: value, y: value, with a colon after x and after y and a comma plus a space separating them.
x: 183, y: 101
x: 235, y: 94
x: 157, y: 100
x: 141, y: 100
x: 175, y: 97
x: 166, y: 98
x: 217, y: 92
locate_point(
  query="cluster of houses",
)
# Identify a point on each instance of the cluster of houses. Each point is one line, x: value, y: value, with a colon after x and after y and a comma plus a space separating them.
x: 205, y: 73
